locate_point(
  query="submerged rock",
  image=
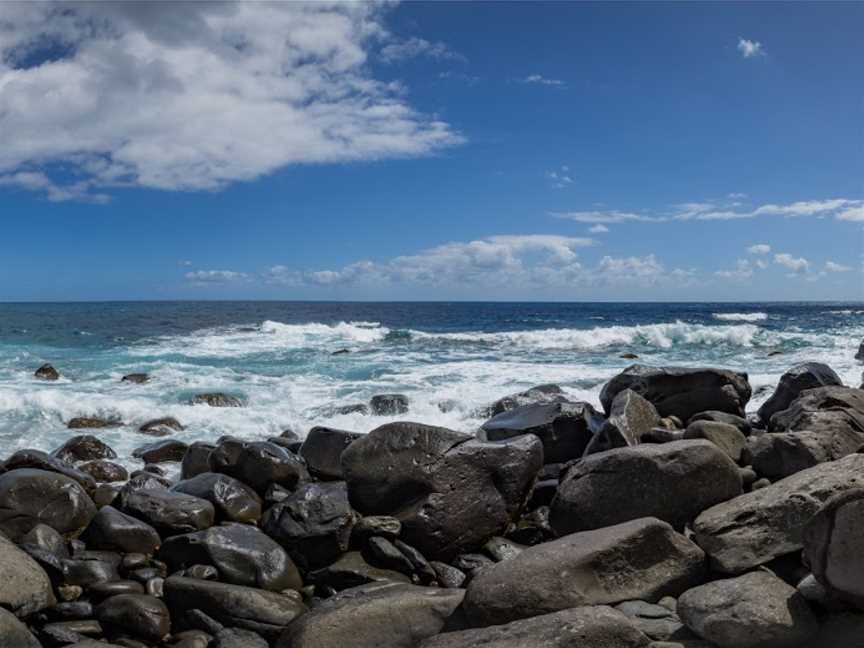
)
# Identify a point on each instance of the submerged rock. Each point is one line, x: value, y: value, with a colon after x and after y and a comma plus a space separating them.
x: 389, y: 404
x: 136, y: 378
x: 216, y: 399
x: 47, y: 372
x: 93, y: 422
x: 163, y: 426
x: 84, y: 447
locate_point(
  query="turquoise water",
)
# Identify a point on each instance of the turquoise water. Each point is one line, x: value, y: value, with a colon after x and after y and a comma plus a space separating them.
x: 277, y: 357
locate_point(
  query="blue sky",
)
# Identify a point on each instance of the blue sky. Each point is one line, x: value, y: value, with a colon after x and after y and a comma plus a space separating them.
x: 432, y: 151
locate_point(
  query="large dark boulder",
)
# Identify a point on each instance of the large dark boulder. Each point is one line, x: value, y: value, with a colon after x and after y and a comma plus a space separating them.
x: 564, y: 428
x: 757, y: 527
x: 84, y: 447
x: 242, y: 554
x: 258, y: 463
x: 674, y: 482
x: 24, y: 586
x: 46, y: 372
x: 196, y: 460
x: 39, y: 460
x: 680, y: 391
x: 597, y: 626
x: 806, y: 375
x: 161, y: 451
x: 450, y: 491
x: 139, y: 615
x: 233, y: 500
x: 169, y: 513
x: 322, y: 450
x: 29, y: 497
x: 779, y: 454
x: 159, y: 427
x: 267, y: 613
x: 104, y: 471
x: 313, y: 524
x: 394, y: 615
x: 547, y: 393
x: 642, y: 559
x: 111, y: 529
x: 631, y: 418
x: 821, y: 409
x: 757, y: 610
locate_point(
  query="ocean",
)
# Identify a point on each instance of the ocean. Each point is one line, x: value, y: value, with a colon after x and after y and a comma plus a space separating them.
x: 277, y: 357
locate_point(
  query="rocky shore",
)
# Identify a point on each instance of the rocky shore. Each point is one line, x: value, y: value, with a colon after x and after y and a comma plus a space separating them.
x: 669, y: 519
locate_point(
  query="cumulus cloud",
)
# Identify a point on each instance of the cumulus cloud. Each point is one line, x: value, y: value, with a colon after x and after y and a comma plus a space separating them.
x: 743, y: 270
x: 215, y: 276
x: 853, y: 213
x: 831, y: 266
x: 750, y: 48
x: 795, y: 264
x: 101, y: 95
x: 418, y: 47
x: 599, y: 228
x: 539, y: 79
x: 759, y: 248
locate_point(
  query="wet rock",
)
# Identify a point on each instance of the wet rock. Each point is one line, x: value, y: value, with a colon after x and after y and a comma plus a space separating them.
x: 586, y: 627
x: 89, y: 570
x: 161, y: 451
x: 139, y: 615
x: 739, y: 422
x: 47, y: 539
x: 351, y: 570
x: 216, y: 399
x: 447, y: 575
x: 376, y: 525
x: 92, y: 422
x: 24, y: 585
x: 726, y: 437
x: 422, y: 569
x: 29, y: 497
x: 547, y: 393
x: 111, y: 529
x: 383, y: 553
x: 681, y: 391
x: 674, y: 482
x: 757, y: 527
x: 237, y: 638
x: 322, y: 451
x: 781, y: 454
x: 14, y: 634
x: 164, y: 426
x: 242, y: 554
x: 47, y: 372
x: 372, y: 616
x: 258, y: 464
x: 196, y: 460
x: 39, y: 460
x: 502, y: 549
x: 263, y: 612
x: 757, y: 610
x: 136, y: 378
x: 450, y: 492
x: 105, y: 471
x: 168, y: 512
x: 100, y: 591
x: 564, y: 428
x: 388, y: 404
x: 144, y: 479
x: 313, y: 524
x: 84, y: 447
x: 806, y: 375
x: 338, y: 352
x: 642, y: 559
x: 631, y: 418
x: 233, y: 500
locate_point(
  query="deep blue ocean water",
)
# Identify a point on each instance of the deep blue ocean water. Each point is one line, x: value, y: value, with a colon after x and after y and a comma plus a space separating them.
x: 277, y: 357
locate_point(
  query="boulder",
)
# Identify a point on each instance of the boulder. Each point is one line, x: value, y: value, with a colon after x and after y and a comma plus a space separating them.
x: 237, y: 638
x: 859, y: 355
x: 756, y: 610
x: 161, y: 451
x: 655, y: 620
x: 547, y: 393
x: 450, y: 492
x: 242, y: 554
x: 779, y: 454
x: 104, y: 471
x: 680, y: 391
x: 47, y: 372
x: 139, y: 615
x: 29, y: 497
x: 216, y: 399
x: 169, y: 513
x: 258, y: 463
x: 757, y: 527
x: 83, y: 447
x: 642, y: 559
x: 39, y: 460
x: 14, y: 634
x: 832, y: 546
x: 806, y: 375
x: 726, y: 437
x: 196, y: 460
x: 313, y: 524
x: 674, y: 482
x: 383, y: 553
x: 136, y: 378
x: 24, y: 586
x: 164, y: 426
x: 92, y: 423
x: 564, y: 428
x: 233, y: 500
x: 322, y: 451
x: 376, y: 525
x: 743, y: 425
x: 388, y: 404
x: 351, y: 570
x: 631, y: 418
x: 394, y: 615
x: 267, y: 613
x: 111, y: 529
x: 821, y: 409
x: 583, y: 627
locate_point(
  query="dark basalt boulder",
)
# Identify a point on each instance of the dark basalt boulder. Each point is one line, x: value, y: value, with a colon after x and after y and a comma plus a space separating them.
x: 84, y: 447
x: 263, y: 612
x: 780, y: 454
x: 46, y: 539
x: 161, y: 451
x: 380, y: 552
x: 92, y: 423
x: 631, y: 418
x: 38, y: 460
x: 451, y: 492
x: 642, y: 559
x: 313, y: 524
x: 216, y: 399
x: 743, y: 425
x: 681, y: 391
x: 597, y: 626
x: 859, y: 355
x: 832, y: 546
x: 144, y: 479
x: 674, y: 482
x: 164, y: 426
x: 726, y: 437
x: 104, y: 471
x: 394, y: 615
x: 111, y: 529
x: 376, y: 525
x: 564, y: 428
x: 351, y: 570
x: 547, y: 393
x: 322, y: 451
x: 196, y: 460
x: 233, y: 500
x: 14, y: 634
x: 389, y: 404
x: 88, y: 570
x: 806, y: 375
x: 136, y: 378
x: 242, y: 554
x: 24, y: 586
x: 821, y: 409
x: 258, y: 463
x: 138, y: 615
x: 757, y: 610
x: 29, y: 497
x: 757, y: 527
x: 169, y: 513
x: 47, y: 372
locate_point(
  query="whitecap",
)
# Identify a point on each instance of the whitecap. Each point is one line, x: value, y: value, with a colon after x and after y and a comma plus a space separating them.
x: 741, y: 317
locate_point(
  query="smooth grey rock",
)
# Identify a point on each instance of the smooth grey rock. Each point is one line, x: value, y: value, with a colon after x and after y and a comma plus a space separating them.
x: 743, y: 425
x: 547, y: 393
x: 820, y: 409
x: 780, y: 454
x: 139, y: 615
x: 167, y: 512
x: 726, y: 437
x: 113, y: 529
x: 24, y: 585
x: 806, y: 375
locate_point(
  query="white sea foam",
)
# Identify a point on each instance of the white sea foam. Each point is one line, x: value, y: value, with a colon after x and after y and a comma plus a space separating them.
x: 741, y: 317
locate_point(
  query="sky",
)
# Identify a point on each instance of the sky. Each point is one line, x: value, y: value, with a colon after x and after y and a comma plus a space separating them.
x: 431, y: 151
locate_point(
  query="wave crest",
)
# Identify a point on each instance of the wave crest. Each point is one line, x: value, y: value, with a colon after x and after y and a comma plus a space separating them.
x: 740, y: 317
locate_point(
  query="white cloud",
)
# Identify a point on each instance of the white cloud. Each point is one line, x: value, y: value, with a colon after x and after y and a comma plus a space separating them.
x: 195, y: 98
x: 854, y: 213
x: 607, y: 217
x: 541, y: 80
x: 750, y: 48
x: 743, y: 270
x: 796, y: 265
x: 415, y: 47
x: 759, y: 248
x: 215, y: 276
x: 831, y: 266
x: 598, y: 229
x: 560, y: 178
